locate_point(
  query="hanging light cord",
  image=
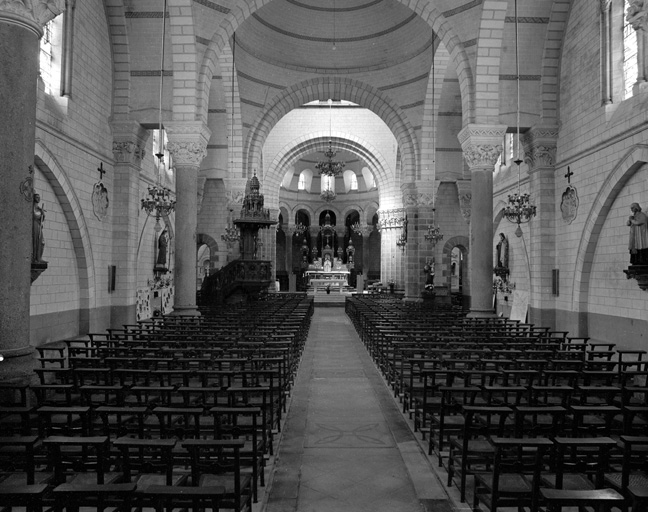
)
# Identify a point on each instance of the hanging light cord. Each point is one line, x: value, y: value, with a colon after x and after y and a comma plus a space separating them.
x: 160, y: 154
x: 232, y: 108
x: 517, y: 76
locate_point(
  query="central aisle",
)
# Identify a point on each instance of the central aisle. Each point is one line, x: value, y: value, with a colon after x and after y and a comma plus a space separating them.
x: 345, y: 446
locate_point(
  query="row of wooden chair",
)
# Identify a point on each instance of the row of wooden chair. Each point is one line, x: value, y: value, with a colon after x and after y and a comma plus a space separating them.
x: 486, y: 390
x: 180, y: 398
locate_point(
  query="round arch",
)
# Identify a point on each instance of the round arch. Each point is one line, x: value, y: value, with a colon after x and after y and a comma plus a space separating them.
x: 463, y: 243
x: 429, y: 11
x: 634, y: 159
x: 334, y: 87
x: 301, y: 206
x: 75, y: 219
x: 296, y: 149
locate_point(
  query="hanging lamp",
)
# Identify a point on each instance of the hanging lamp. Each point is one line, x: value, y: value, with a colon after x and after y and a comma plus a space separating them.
x: 159, y: 202
x: 519, y: 209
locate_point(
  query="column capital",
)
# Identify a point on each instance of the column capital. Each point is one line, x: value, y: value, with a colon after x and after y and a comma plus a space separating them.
x: 31, y: 14
x: 129, y: 139
x: 539, y: 145
x: 188, y: 142
x: 637, y: 14
x: 481, y: 144
x: 605, y: 5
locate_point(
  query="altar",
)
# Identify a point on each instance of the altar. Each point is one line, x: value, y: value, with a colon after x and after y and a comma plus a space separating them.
x: 337, y: 275
x: 328, y: 285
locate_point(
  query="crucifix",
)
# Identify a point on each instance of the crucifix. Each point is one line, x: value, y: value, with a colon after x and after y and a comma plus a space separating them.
x: 102, y: 171
x: 569, y: 175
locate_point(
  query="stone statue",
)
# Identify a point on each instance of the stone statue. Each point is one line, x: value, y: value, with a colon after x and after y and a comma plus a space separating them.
x: 38, y: 218
x: 502, y: 252
x: 327, y: 263
x: 638, y: 242
x: 163, y: 243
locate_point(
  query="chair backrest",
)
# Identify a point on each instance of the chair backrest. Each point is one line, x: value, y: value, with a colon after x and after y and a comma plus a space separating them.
x: 587, y: 456
x: 144, y: 456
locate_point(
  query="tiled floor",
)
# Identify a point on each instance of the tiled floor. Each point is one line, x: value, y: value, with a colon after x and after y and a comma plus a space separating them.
x: 345, y: 446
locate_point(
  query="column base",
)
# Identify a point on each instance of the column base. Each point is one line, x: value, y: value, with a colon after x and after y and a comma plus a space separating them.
x: 185, y: 311
x: 17, y: 365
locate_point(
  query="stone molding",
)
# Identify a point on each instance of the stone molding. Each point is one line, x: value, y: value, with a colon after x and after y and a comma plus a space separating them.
x: 187, y: 142
x: 482, y: 155
x: 418, y: 199
x: 539, y: 146
x: 128, y: 152
x: 482, y: 144
x: 391, y: 219
x: 540, y: 156
x: 637, y: 14
x: 32, y: 14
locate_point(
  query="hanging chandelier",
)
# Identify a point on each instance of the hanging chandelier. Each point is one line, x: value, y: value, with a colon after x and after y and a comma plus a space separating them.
x: 330, y: 167
x: 231, y: 234
x: 328, y: 195
x: 356, y: 227
x: 519, y: 209
x: 433, y: 234
x: 159, y: 202
x: 300, y: 229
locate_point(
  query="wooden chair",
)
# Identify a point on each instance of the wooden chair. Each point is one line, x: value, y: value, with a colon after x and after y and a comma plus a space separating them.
x: 514, y: 479
x: 148, y: 462
x: 472, y: 451
x: 217, y: 463
x: 20, y: 484
x: 633, y: 467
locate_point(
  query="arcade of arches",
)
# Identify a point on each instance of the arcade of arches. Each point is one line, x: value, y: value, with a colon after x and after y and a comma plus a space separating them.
x: 418, y: 99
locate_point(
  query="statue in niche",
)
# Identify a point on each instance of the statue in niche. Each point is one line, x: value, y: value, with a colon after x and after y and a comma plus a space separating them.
x: 502, y: 252
x: 638, y: 242
x: 327, y: 263
x: 38, y: 218
x: 163, y: 244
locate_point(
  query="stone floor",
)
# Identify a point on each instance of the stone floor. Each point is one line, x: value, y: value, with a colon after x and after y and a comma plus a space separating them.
x: 345, y: 445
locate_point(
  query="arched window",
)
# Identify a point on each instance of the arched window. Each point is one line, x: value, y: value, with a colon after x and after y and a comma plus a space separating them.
x: 354, y: 181
x: 50, y: 53
x: 630, y: 63
x: 369, y: 179
x: 305, y: 180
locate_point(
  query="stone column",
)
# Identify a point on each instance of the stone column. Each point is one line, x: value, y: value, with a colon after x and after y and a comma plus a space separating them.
x: 188, y: 147
x: 482, y: 145
x: 129, y: 140
x: 540, y: 155
x: 391, y: 223
x: 20, y: 31
x: 406, y: 278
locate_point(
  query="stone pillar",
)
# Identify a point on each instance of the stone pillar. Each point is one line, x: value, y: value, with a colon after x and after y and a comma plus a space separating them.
x: 540, y: 155
x: 20, y: 31
x: 391, y: 224
x: 482, y: 145
x: 129, y: 140
x: 188, y: 147
x: 269, y: 249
